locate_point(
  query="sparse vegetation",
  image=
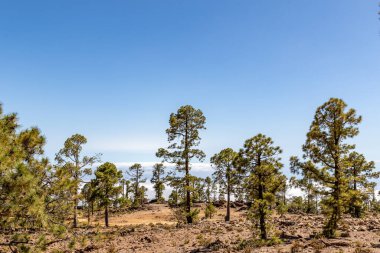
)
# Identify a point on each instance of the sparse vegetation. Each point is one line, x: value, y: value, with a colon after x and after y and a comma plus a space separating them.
x: 51, y: 201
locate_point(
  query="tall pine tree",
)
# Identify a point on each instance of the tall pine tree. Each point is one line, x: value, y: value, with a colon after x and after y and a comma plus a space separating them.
x: 225, y: 173
x: 23, y: 171
x: 183, y: 134
x: 260, y: 160
x: 306, y: 182
x: 70, y: 158
x: 327, y: 147
x: 107, y: 177
x: 158, y: 180
x: 136, y: 172
x: 359, y: 172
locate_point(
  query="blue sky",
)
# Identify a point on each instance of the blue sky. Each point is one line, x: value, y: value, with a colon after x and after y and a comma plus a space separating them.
x: 114, y: 70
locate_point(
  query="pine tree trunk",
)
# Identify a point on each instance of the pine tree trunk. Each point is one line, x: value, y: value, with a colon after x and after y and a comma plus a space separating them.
x: 263, y: 231
x: 356, y: 210
x: 228, y: 197
x: 76, y: 177
x: 137, y: 193
x: 332, y: 225
x: 188, y: 199
x: 106, y: 215
x: 88, y: 214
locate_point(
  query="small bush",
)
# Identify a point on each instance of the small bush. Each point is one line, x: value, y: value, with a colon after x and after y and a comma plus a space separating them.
x: 210, y: 211
x: 181, y: 215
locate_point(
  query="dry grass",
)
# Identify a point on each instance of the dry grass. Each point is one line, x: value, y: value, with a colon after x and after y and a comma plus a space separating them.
x: 153, y: 214
x: 153, y: 229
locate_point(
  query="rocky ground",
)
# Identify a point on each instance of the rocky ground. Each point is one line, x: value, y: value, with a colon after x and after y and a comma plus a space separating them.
x: 154, y: 230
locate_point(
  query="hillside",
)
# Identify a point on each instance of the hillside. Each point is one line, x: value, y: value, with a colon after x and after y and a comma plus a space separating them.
x: 154, y: 229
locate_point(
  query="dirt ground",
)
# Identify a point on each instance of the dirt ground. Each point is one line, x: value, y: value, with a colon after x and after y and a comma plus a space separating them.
x: 154, y: 230
x: 155, y: 213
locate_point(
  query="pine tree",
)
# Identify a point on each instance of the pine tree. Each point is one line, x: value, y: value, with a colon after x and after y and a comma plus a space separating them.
x: 122, y: 183
x: 306, y: 182
x: 359, y: 172
x: 196, y: 188
x: 372, y: 202
x: 259, y: 159
x: 106, y: 186
x: 70, y: 159
x: 23, y: 171
x: 208, y: 185
x: 326, y: 147
x: 136, y: 172
x: 142, y: 193
x: 225, y: 174
x: 60, y: 188
x: 158, y: 180
x: 176, y: 183
x: 123, y: 201
x: 214, y: 191
x: 281, y: 200
x: 210, y: 210
x: 200, y: 189
x: 88, y: 196
x: 173, y: 198
x: 222, y: 195
x: 239, y: 190
x: 296, y: 205
x: 183, y: 134
x: 128, y: 188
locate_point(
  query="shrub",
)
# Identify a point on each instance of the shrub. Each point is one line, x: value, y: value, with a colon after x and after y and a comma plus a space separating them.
x: 210, y: 211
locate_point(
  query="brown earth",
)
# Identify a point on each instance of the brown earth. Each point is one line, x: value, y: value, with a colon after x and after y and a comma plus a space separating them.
x: 154, y: 230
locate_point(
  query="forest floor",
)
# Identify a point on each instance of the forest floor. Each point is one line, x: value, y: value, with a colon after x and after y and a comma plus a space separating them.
x: 154, y: 229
